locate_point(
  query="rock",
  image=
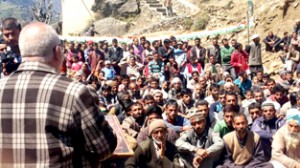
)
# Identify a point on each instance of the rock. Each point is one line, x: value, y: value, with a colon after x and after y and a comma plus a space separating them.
x: 116, y: 7
x: 111, y: 27
x: 129, y: 8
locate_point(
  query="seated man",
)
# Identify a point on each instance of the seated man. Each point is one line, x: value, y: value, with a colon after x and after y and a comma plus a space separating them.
x: 266, y: 126
x: 254, y: 112
x: 243, y: 83
x: 285, y: 146
x: 243, y: 147
x: 201, y: 143
x: 277, y: 96
x: 214, y: 67
x: 156, y: 151
x: 202, y: 107
x: 132, y: 123
x: 172, y: 119
x: 186, y: 103
x: 271, y: 42
x: 217, y: 106
x: 225, y: 126
x: 231, y: 99
x: 154, y: 112
x: 214, y: 89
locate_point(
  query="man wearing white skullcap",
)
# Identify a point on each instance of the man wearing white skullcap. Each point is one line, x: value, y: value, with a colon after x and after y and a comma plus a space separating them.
x: 266, y: 126
x: 255, y: 56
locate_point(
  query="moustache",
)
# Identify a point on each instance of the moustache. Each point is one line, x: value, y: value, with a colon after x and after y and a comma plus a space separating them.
x: 241, y: 129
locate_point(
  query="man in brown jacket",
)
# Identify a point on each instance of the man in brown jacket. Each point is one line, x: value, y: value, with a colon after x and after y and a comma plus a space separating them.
x: 155, y: 152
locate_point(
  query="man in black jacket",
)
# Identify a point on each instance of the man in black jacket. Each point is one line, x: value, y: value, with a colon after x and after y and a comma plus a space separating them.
x: 115, y: 55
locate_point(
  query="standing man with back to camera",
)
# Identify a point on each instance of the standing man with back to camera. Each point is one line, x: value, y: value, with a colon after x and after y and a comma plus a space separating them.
x: 49, y: 120
x: 9, y: 48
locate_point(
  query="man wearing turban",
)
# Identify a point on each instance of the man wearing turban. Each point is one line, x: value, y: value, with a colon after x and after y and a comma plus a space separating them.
x: 286, y: 143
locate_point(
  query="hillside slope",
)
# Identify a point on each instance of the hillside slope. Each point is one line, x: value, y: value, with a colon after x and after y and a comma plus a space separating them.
x: 268, y: 16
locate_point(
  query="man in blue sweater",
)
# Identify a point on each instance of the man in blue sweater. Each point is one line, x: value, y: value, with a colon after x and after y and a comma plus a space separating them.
x: 172, y: 119
x: 266, y: 126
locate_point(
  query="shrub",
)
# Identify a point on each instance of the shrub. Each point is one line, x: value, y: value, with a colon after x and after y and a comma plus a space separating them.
x: 201, y: 22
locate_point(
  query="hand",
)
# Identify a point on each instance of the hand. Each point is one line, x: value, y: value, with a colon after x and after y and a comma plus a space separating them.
x: 196, y: 161
x: 239, y: 65
x: 162, y: 149
x: 202, y: 152
x: 185, y: 128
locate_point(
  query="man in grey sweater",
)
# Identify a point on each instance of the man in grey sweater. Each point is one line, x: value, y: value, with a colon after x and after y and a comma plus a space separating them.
x: 200, y: 146
x: 255, y: 55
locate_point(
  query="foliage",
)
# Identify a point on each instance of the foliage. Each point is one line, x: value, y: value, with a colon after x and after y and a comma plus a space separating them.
x: 10, y: 10
x: 43, y: 11
x: 229, y: 5
x: 28, y: 10
x: 200, y: 22
x: 188, y: 23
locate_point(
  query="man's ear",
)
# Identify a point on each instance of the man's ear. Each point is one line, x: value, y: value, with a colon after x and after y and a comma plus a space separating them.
x: 58, y: 55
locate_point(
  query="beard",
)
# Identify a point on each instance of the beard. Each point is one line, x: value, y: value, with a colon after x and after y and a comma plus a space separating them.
x: 157, y: 141
x: 292, y: 140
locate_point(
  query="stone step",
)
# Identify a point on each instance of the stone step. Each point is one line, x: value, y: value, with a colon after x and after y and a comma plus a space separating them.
x: 160, y: 9
x: 153, y: 2
x: 156, y: 5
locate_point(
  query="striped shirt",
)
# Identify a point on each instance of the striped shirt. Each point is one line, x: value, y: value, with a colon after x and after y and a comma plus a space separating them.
x: 48, y: 120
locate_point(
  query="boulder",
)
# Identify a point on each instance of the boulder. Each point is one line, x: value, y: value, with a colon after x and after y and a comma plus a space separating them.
x: 111, y: 27
x: 129, y: 8
x: 114, y: 8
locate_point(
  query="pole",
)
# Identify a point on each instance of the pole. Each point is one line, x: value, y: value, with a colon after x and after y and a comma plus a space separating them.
x: 248, y: 26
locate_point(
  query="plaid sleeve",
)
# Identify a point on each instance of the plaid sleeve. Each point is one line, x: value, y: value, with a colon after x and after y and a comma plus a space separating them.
x: 90, y: 121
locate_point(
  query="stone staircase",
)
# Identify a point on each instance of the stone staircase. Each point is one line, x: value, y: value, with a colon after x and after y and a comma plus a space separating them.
x: 157, y: 6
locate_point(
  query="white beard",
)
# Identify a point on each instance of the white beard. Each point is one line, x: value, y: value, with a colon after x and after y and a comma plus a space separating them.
x: 158, y: 142
x: 292, y: 140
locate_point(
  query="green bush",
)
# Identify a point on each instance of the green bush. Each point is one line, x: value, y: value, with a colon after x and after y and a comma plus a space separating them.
x: 201, y: 22
x: 188, y: 23
x: 230, y: 5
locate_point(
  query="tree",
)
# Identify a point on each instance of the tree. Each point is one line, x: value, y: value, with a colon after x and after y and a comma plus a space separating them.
x: 43, y: 11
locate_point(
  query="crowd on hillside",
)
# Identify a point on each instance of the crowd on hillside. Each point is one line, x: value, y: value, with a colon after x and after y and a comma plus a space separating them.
x: 214, y: 106
x: 179, y: 104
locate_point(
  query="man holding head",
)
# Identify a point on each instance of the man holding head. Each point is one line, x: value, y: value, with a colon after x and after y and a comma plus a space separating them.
x: 286, y: 143
x: 156, y: 151
x: 48, y: 120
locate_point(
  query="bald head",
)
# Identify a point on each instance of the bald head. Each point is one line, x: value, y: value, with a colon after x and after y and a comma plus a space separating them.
x: 38, y: 40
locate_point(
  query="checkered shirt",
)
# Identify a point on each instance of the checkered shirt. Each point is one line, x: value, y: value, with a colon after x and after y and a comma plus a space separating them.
x: 47, y: 120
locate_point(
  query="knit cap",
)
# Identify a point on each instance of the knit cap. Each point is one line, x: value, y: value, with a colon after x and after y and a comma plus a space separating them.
x: 157, y: 123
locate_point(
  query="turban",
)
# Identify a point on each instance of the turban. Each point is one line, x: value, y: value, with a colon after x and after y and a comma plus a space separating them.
x: 293, y: 115
x: 157, y: 123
